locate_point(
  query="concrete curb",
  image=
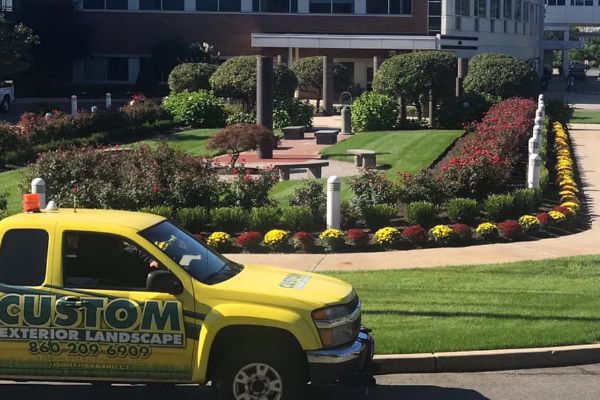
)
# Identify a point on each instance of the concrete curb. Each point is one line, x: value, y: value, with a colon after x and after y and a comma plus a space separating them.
x: 488, y: 360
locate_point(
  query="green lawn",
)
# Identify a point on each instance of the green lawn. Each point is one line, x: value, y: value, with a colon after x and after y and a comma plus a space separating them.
x: 9, y: 182
x: 193, y: 141
x: 586, y: 117
x: 528, y: 304
x: 396, y: 151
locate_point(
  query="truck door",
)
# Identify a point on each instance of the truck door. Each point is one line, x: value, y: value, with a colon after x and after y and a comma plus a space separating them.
x: 25, y: 303
x: 117, y: 328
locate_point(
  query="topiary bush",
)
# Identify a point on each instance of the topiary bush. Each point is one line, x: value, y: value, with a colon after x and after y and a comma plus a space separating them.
x: 372, y: 187
x: 309, y: 72
x: 420, y: 213
x: 292, y: 112
x: 312, y: 195
x: 559, y: 111
x: 195, y: 219
x: 423, y: 186
x: 297, y: 219
x: 285, y: 82
x: 191, y: 77
x: 501, y: 75
x: 163, y: 211
x: 526, y: 201
x: 462, y: 210
x: 379, y: 215
x: 262, y: 219
x: 499, y: 206
x: 374, y: 112
x: 249, y: 191
x: 200, y: 109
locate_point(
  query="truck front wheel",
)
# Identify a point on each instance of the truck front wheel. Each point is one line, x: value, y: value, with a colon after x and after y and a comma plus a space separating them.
x: 258, y: 373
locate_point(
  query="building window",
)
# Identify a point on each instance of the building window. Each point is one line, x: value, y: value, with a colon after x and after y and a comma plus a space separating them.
x: 101, y: 69
x: 480, y: 9
x: 518, y: 9
x: 476, y: 24
x: 508, y: 4
x: 173, y: 5
x: 331, y: 6
x: 275, y: 6
x: 230, y: 5
x: 207, y: 5
x: 435, y: 17
x: 505, y: 26
x: 582, y: 2
x: 6, y: 5
x: 23, y: 257
x: 219, y: 5
x: 526, y: 11
x: 463, y: 8
x: 457, y: 23
x: 494, y: 8
x: 556, y: 2
x: 492, y: 25
x: 150, y: 4
x: 397, y: 7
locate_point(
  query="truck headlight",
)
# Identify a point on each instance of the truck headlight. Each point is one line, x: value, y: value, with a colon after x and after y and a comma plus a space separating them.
x: 338, y: 325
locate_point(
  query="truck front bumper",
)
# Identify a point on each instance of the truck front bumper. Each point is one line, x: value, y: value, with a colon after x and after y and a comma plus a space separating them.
x: 336, y: 364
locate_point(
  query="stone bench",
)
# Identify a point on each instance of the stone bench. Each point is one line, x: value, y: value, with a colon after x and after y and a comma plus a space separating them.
x: 293, y: 132
x: 366, y: 159
x: 314, y: 167
x: 327, y: 136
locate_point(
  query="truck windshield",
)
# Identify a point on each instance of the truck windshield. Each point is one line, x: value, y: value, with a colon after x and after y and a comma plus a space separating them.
x: 199, y: 260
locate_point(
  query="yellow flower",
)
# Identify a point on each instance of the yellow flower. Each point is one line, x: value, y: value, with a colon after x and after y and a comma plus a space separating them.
x: 571, y: 205
x: 276, y: 237
x: 530, y: 224
x: 387, y: 237
x: 331, y: 234
x: 219, y: 240
x: 486, y: 230
x: 557, y: 216
x: 441, y: 233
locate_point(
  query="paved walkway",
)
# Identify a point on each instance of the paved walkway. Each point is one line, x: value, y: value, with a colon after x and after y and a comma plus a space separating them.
x: 586, y: 141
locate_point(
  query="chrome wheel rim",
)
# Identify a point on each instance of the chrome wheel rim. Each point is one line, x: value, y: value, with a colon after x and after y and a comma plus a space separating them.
x: 257, y: 381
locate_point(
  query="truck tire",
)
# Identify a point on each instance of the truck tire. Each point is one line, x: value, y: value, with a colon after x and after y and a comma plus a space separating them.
x: 254, y: 372
x: 5, y: 105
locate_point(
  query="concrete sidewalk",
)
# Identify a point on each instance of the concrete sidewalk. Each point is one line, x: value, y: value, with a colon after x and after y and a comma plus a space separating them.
x: 586, y: 143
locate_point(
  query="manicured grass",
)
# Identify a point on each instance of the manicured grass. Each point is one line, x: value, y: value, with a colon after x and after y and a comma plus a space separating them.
x: 527, y: 304
x: 586, y: 117
x: 192, y: 141
x: 396, y: 151
x: 9, y: 182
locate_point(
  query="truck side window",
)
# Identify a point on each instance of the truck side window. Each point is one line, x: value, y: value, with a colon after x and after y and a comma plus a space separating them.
x: 101, y: 261
x: 23, y: 257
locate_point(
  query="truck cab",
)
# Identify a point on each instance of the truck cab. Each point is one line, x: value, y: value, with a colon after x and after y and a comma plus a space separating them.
x: 7, y: 95
x: 97, y: 295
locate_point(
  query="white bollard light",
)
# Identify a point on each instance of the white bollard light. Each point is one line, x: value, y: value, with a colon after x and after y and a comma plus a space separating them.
x: 541, y: 97
x: 537, y: 131
x: 108, y: 101
x: 48, y: 116
x: 533, y: 171
x: 334, y: 207
x: 94, y: 109
x: 39, y: 186
x: 534, y: 145
x: 73, y: 105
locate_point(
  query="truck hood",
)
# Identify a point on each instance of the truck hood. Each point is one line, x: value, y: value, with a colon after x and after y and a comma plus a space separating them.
x: 278, y: 286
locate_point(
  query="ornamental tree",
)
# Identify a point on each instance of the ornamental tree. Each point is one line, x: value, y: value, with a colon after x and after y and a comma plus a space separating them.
x: 309, y: 71
x: 500, y: 75
x: 237, y: 138
x: 16, y: 42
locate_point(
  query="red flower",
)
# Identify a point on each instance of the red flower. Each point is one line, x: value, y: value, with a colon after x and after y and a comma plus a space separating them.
x: 357, y: 237
x: 415, y: 234
x: 544, y: 218
x: 462, y: 231
x: 510, y: 229
x: 249, y: 240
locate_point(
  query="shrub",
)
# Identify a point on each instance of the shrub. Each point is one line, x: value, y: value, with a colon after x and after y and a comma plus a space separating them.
x: 374, y: 112
x: 441, y: 234
x: 462, y: 210
x: 526, y: 200
x: 486, y: 231
x: 309, y: 72
x: 285, y: 82
x: 241, y: 118
x: 138, y: 111
x: 462, y: 232
x: 559, y: 111
x: 237, y: 138
x: 200, y: 109
x: 379, y: 215
x: 372, y: 187
x: 191, y: 77
x: 357, y: 238
x: 510, y: 229
x: 276, y: 239
x: 220, y: 241
x: 389, y: 238
x: 312, y: 195
x: 303, y: 241
x: 129, y: 180
x: 332, y: 239
x: 261, y: 219
x: 249, y: 241
x: 3, y: 205
x: 292, y: 112
x: 9, y: 140
x: 193, y: 219
x: 249, y: 191
x: 499, y: 206
x: 454, y: 113
x: 350, y: 215
x: 229, y: 219
x: 415, y: 234
x: 422, y: 186
x: 530, y: 224
x: 501, y: 75
x: 420, y: 213
x: 297, y: 219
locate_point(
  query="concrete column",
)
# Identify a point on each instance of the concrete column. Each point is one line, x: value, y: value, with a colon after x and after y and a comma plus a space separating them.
x: 189, y: 5
x: 264, y: 101
x: 73, y: 105
x: 134, y: 69
x: 375, y: 65
x: 135, y: 4
x: 327, y: 85
x: 566, y: 58
x: 290, y: 59
x: 463, y: 70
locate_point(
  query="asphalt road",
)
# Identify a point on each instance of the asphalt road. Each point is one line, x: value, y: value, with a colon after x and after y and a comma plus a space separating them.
x: 576, y: 383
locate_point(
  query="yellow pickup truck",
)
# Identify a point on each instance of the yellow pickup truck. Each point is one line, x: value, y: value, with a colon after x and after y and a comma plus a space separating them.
x: 114, y: 296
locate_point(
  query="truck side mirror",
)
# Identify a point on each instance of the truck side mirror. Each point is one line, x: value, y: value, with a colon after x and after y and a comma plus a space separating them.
x: 162, y: 281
